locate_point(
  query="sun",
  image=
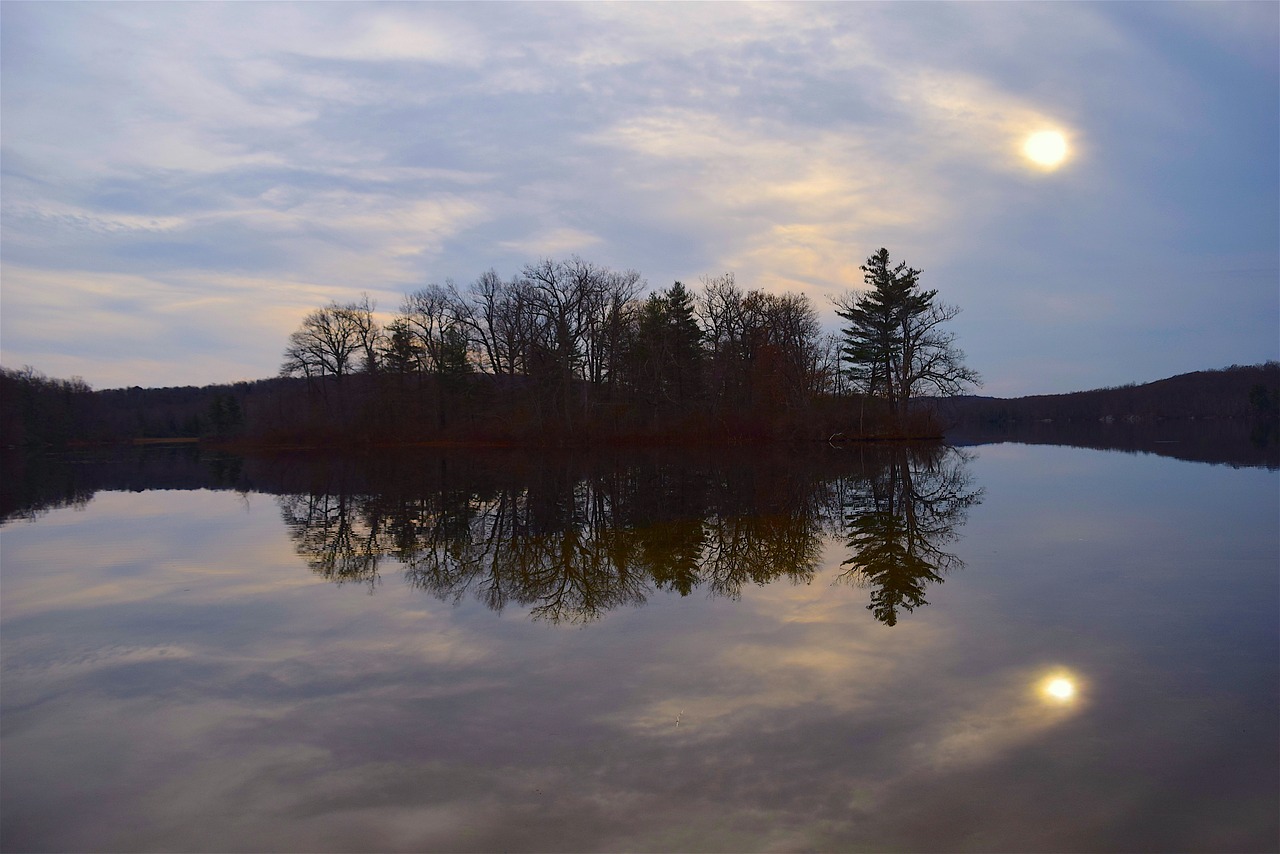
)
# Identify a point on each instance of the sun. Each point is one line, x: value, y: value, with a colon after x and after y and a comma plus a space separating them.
x: 1060, y: 688
x: 1047, y: 149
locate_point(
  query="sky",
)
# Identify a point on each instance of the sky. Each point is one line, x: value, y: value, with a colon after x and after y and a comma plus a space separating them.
x: 180, y: 183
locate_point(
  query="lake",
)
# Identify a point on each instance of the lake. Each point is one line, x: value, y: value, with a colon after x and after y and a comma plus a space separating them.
x: 1004, y: 647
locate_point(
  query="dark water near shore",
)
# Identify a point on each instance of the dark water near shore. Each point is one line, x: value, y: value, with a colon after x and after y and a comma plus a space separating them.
x: 1009, y: 647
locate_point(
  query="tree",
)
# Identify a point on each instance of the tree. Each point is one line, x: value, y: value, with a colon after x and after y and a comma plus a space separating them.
x: 368, y: 333
x: 608, y: 310
x: 501, y: 321
x: 762, y: 350
x: 686, y: 341
x: 785, y: 347
x: 720, y: 314
x: 401, y: 353
x: 579, y: 311
x: 558, y: 291
x: 897, y: 524
x: 895, y: 343
x: 666, y: 351
x: 484, y: 315
x: 430, y: 317
x: 329, y: 340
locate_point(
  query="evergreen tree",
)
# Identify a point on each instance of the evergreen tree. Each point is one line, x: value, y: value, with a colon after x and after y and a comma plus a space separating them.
x: 894, y: 342
x: 686, y: 342
x: 402, y: 353
x: 666, y: 354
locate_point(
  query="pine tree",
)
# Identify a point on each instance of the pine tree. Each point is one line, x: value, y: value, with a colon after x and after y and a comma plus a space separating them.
x: 894, y: 344
x: 401, y: 351
x: 686, y: 342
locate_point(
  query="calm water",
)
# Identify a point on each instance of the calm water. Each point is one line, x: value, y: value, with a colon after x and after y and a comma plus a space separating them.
x: 1016, y: 648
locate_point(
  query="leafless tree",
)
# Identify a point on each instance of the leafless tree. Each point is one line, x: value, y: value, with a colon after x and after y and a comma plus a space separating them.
x: 429, y: 314
x: 501, y: 321
x: 760, y: 343
x: 330, y: 340
x: 609, y: 308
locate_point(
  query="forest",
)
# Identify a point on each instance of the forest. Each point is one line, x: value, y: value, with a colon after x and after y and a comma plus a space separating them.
x: 566, y: 352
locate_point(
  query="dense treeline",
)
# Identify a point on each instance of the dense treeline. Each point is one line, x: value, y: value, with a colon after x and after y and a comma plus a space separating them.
x: 40, y: 412
x: 37, y: 410
x: 565, y: 352
x: 1227, y: 416
x: 569, y: 351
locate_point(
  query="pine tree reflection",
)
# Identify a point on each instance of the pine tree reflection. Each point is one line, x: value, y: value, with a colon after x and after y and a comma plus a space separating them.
x: 570, y: 544
x: 896, y: 525
x: 673, y: 552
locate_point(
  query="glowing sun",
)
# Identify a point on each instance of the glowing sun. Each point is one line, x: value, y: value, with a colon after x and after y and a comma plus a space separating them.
x: 1060, y: 689
x: 1047, y: 149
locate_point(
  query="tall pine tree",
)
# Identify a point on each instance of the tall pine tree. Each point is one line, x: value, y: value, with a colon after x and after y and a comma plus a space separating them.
x: 894, y: 343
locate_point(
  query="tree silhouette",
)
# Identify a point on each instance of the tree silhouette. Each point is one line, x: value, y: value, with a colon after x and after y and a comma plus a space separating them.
x: 330, y: 339
x: 897, y: 523
x: 895, y: 342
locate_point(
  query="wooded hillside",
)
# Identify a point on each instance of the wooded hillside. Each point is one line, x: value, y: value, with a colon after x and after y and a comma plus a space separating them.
x: 1249, y: 391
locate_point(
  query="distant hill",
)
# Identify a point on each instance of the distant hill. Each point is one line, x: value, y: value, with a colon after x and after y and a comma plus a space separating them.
x: 1227, y: 417
x: 1249, y: 391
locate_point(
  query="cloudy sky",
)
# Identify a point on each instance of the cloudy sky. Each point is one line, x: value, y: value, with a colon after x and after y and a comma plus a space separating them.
x: 182, y: 182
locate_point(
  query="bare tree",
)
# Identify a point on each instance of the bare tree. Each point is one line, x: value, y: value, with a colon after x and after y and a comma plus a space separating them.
x: 934, y: 363
x: 560, y: 291
x: 792, y: 331
x: 430, y: 314
x: 330, y: 339
x: 760, y: 344
x: 367, y: 330
x: 719, y: 309
x: 608, y: 309
x: 481, y: 314
x: 720, y: 313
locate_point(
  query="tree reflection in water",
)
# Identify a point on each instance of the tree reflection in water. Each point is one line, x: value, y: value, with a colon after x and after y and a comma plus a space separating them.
x: 896, y: 524
x: 570, y: 542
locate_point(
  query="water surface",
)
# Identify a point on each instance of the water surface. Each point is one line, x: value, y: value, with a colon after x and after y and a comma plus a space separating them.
x: 1016, y: 648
